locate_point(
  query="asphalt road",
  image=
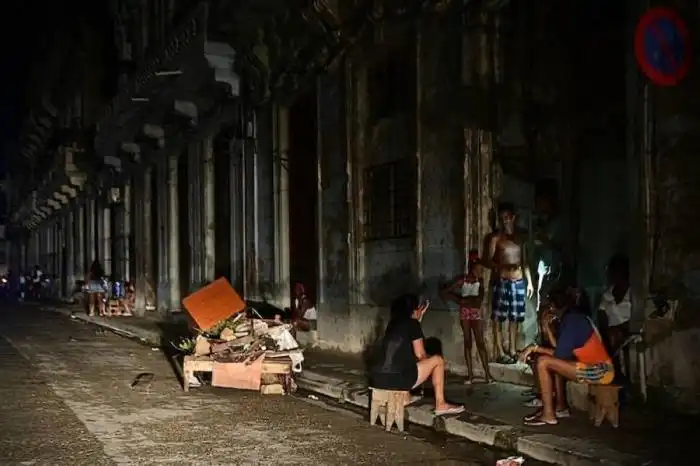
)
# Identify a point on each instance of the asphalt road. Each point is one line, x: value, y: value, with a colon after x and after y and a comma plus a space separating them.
x: 66, y: 400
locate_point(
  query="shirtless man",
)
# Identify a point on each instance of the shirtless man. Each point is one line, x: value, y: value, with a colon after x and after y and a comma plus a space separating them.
x: 511, y: 282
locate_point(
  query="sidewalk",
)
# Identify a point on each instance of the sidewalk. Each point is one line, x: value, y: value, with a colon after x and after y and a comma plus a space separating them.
x: 494, y: 415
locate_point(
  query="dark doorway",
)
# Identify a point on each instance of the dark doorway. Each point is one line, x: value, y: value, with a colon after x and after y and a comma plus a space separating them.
x: 303, y: 193
x: 184, y: 222
x: 222, y: 207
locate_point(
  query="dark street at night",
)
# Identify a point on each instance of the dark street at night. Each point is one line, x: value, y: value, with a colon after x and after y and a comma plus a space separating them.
x: 329, y: 232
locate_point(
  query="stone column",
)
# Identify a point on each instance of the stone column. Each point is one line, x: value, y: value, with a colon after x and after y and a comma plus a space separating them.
x: 60, y: 257
x: 173, y: 234
x: 80, y: 250
x: 209, y: 209
x: 126, y: 233
x: 48, y: 246
x: 281, y: 174
x: 163, y: 292
x: 139, y: 253
x: 90, y: 239
x: 193, y: 225
x: 147, y: 238
x: 196, y: 206
x: 23, y: 256
x: 33, y: 256
x: 106, y: 240
x: 69, y: 239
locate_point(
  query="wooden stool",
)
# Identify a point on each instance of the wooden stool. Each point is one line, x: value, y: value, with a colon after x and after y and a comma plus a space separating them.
x: 389, y: 406
x: 114, y: 307
x: 604, y: 404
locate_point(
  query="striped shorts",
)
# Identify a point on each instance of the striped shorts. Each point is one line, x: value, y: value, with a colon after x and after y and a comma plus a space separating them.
x: 509, y: 300
x: 595, y: 374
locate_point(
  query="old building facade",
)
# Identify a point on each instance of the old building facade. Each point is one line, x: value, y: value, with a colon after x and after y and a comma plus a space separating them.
x: 360, y: 150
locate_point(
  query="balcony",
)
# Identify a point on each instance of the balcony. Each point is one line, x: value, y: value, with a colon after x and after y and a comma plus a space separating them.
x: 178, y: 84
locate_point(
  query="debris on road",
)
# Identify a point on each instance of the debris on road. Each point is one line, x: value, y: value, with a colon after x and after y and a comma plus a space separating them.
x: 142, y: 379
x: 240, y: 351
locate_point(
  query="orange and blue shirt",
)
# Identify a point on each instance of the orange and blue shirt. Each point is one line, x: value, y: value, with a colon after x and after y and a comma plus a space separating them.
x: 579, y: 341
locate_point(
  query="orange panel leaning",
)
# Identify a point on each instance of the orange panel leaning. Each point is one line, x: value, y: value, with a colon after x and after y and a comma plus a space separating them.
x: 213, y: 304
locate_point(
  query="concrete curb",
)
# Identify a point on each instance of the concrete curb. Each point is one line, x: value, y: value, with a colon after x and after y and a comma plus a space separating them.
x: 120, y: 327
x: 485, y: 433
x: 544, y: 447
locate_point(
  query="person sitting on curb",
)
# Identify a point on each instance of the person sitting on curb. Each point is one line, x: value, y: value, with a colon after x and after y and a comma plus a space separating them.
x: 402, y: 362
x: 580, y: 355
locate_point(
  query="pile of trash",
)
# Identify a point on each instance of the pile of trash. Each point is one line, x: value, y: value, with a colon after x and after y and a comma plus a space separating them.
x: 241, y: 339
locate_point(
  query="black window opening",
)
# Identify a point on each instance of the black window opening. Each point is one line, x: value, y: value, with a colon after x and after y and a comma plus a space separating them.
x: 389, y: 200
x: 391, y: 85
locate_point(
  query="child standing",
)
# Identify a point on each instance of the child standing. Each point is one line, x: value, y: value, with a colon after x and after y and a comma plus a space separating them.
x: 467, y: 291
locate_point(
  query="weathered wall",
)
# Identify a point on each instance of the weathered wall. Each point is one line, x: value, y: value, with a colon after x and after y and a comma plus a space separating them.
x: 421, y: 263
x: 666, y: 247
x: 441, y: 233
x: 604, y: 222
x: 334, y: 219
x: 390, y: 264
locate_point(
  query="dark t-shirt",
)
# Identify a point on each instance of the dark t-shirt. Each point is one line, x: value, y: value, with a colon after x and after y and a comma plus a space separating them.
x: 395, y: 366
x: 574, y: 332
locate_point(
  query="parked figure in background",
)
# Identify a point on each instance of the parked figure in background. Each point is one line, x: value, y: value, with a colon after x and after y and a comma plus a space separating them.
x: 304, y: 313
x: 402, y: 363
x: 467, y: 291
x: 37, y: 279
x: 22, y: 285
x: 95, y: 289
x: 615, y: 311
x: 511, y: 282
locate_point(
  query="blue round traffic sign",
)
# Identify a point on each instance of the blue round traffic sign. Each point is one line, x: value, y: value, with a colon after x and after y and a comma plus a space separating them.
x: 662, y: 46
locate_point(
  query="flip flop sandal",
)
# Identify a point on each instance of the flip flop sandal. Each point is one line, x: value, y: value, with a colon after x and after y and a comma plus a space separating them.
x: 540, y: 422
x: 560, y: 414
x: 533, y: 417
x: 468, y: 382
x: 444, y: 412
x: 503, y: 359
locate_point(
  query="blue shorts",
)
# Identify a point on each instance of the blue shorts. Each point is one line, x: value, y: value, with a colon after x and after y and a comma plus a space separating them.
x: 509, y: 300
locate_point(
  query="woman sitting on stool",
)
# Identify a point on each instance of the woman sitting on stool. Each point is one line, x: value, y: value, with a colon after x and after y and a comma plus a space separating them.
x: 402, y: 363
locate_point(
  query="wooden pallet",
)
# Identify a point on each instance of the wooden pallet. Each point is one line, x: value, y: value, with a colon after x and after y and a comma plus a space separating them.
x: 271, y: 366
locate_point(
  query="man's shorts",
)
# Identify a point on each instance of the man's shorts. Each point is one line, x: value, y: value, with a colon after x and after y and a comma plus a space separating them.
x: 595, y: 374
x: 508, y: 301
